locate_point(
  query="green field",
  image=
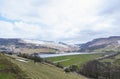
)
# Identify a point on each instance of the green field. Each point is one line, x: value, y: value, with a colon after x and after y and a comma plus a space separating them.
x: 73, y: 59
x: 44, y: 71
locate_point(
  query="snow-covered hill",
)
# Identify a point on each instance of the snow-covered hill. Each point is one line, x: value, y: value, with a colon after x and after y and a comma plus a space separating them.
x: 26, y: 44
x: 51, y: 44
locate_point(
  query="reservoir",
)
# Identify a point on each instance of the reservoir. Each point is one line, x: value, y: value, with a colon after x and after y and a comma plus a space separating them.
x: 64, y: 54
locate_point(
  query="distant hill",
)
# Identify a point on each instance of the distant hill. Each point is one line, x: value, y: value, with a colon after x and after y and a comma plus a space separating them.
x: 34, y: 46
x: 102, y: 45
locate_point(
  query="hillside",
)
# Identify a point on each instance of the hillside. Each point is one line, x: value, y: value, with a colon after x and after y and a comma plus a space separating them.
x: 115, y: 60
x: 102, y: 45
x: 43, y: 71
x: 34, y: 46
x: 8, y: 70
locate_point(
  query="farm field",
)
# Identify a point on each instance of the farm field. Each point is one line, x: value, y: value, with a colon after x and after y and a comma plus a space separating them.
x: 44, y: 71
x: 73, y: 59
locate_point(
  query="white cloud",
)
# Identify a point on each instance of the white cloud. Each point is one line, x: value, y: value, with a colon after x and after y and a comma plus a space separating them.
x: 6, y: 29
x: 62, y: 20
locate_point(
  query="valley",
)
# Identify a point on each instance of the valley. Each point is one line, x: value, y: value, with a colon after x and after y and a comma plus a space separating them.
x: 57, y: 60
x: 17, y: 45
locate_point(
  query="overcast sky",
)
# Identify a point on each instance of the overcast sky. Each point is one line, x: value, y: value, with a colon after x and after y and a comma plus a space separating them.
x: 73, y: 21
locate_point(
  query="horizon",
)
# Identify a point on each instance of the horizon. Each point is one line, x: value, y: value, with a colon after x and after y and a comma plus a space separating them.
x: 69, y: 21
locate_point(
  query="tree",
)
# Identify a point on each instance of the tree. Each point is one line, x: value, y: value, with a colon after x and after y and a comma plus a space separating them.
x: 73, y: 68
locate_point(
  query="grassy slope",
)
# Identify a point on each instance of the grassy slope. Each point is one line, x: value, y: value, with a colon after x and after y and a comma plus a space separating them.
x: 74, y: 59
x: 113, y: 48
x: 43, y: 71
x: 8, y: 70
x: 113, y: 60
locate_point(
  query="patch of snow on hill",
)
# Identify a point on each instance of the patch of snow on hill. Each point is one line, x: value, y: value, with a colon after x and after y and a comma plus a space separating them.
x: 118, y: 41
x: 33, y: 41
x: 45, y: 43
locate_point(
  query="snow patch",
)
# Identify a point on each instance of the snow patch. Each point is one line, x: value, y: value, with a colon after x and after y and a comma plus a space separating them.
x: 45, y: 43
x: 118, y: 41
x: 33, y: 41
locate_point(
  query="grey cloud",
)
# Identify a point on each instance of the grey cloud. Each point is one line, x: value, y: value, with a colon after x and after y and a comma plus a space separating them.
x: 109, y: 7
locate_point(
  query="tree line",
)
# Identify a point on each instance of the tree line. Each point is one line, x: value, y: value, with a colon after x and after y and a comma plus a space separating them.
x: 99, y: 70
x: 33, y: 57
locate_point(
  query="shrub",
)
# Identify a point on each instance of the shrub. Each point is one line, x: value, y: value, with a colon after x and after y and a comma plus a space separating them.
x: 66, y: 69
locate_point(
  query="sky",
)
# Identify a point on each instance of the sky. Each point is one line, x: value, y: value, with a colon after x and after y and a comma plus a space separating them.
x: 70, y: 21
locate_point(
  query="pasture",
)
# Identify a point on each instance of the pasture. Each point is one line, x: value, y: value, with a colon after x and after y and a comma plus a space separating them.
x: 73, y: 59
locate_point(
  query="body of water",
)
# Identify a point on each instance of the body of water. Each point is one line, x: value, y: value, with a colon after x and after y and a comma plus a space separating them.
x: 64, y: 54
